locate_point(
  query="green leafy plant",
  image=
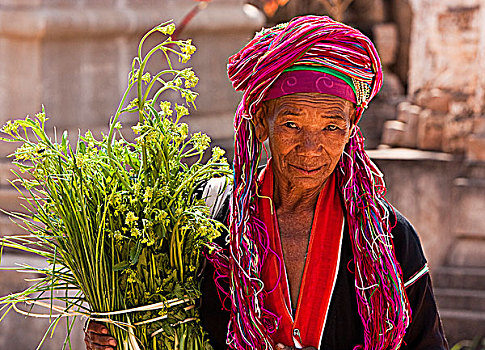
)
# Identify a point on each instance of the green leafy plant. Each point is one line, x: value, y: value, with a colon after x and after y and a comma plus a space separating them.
x: 120, y: 222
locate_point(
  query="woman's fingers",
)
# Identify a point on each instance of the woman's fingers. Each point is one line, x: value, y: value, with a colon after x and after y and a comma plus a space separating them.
x: 96, y: 337
x: 97, y: 327
x: 97, y: 342
x: 99, y: 339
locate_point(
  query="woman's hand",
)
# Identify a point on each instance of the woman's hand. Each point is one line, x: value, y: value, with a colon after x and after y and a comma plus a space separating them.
x: 96, y: 337
x: 284, y: 347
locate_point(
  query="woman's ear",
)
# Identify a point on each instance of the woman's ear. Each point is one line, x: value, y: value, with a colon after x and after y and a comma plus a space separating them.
x: 353, y: 116
x: 352, y: 124
x: 260, y: 122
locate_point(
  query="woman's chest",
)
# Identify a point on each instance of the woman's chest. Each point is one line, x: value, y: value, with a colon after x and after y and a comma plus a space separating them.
x: 294, y: 237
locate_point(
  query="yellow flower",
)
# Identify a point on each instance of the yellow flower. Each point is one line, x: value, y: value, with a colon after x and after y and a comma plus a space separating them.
x: 146, y: 78
x: 130, y: 218
x: 133, y: 103
x: 181, y: 110
x: 187, y: 47
x: 200, y: 141
x: 135, y: 232
x: 167, y: 29
x: 131, y: 276
x: 165, y: 108
x: 10, y: 127
x: 148, y: 194
x: 137, y: 187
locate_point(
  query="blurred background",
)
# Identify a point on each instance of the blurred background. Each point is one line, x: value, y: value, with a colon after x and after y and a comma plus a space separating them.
x: 425, y: 129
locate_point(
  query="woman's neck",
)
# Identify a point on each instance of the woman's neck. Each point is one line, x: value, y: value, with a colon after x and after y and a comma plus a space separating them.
x: 290, y: 198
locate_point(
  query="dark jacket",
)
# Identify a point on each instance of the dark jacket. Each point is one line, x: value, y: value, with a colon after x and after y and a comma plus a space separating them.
x: 343, y: 329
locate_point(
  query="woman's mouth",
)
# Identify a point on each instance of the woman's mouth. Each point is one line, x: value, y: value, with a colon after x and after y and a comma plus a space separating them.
x: 307, y: 170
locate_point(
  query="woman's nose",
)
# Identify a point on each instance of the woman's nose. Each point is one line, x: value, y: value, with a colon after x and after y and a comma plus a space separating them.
x: 310, y: 144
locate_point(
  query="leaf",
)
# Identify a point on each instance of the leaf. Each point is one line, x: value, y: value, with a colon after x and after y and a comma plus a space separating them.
x: 143, y: 258
x: 135, y: 253
x: 64, y: 142
x: 121, y: 266
x: 81, y: 147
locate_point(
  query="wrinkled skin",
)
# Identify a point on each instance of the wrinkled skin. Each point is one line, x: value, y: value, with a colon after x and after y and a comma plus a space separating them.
x: 96, y: 337
x: 307, y: 135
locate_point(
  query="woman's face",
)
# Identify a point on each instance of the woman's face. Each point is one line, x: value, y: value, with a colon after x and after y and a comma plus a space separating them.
x: 307, y: 135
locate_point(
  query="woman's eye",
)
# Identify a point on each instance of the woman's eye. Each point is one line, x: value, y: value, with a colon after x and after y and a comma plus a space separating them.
x: 331, y: 127
x: 290, y: 125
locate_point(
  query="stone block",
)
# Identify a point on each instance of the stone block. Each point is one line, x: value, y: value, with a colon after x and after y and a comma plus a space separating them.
x: 479, y: 126
x: 372, y: 124
x: 377, y: 11
x: 475, y: 149
x: 407, y: 111
x: 403, y: 17
x: 392, y: 132
x: 366, y: 11
x: 385, y: 39
x: 467, y: 252
x: 459, y: 277
x: 10, y: 200
x: 21, y: 3
x: 9, y: 227
x: 461, y: 109
x: 475, y: 170
x: 460, y: 299
x: 7, y: 174
x: 430, y: 131
x: 434, y: 99
x: 409, y: 114
x: 460, y: 325
x: 20, y: 73
x: 419, y: 185
x: 455, y: 133
x: 391, y: 87
x: 469, y: 204
x: 446, y: 34
x: 7, y: 148
x: 90, y: 95
x: 18, y: 332
x: 218, y: 127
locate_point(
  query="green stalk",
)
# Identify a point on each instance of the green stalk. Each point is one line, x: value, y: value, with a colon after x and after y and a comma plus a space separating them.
x: 80, y: 204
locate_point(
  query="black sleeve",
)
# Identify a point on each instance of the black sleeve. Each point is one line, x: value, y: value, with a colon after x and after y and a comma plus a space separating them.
x: 407, y: 246
x: 213, y: 316
x: 425, y: 330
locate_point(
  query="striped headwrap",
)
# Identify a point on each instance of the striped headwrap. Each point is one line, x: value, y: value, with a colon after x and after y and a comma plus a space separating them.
x: 312, y: 41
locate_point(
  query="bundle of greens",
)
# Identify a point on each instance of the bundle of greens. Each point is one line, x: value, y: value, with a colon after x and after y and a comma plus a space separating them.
x: 120, y: 222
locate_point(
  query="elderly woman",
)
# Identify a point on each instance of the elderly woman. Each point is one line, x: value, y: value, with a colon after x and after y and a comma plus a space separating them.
x: 316, y: 258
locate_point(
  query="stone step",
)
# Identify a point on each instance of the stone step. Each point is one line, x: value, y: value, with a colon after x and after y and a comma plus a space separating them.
x: 474, y: 170
x: 462, y: 324
x: 469, y: 206
x: 462, y: 299
x: 10, y: 201
x: 9, y: 228
x: 459, y: 277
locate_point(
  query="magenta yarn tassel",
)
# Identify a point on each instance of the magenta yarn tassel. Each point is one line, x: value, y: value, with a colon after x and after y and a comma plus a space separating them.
x: 376, y: 268
x: 381, y: 298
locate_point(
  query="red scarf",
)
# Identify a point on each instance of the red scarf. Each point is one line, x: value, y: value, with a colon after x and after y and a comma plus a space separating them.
x: 320, y: 272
